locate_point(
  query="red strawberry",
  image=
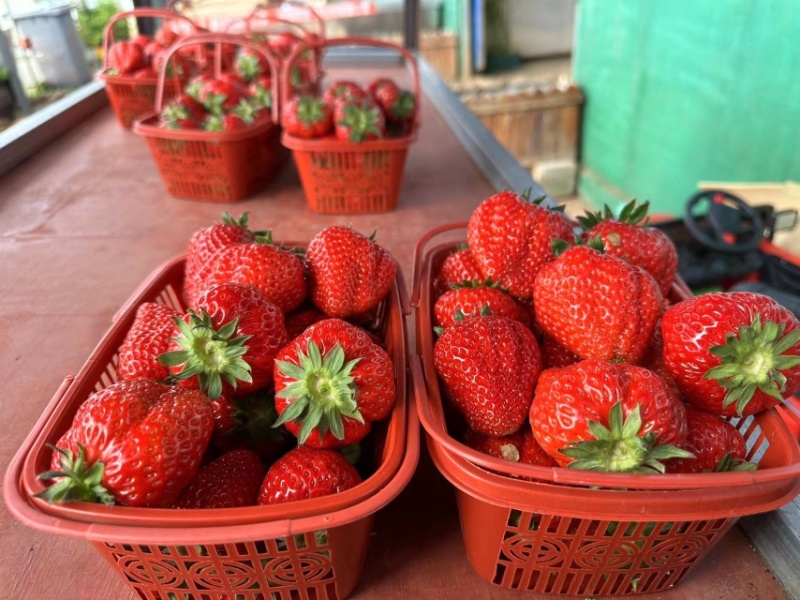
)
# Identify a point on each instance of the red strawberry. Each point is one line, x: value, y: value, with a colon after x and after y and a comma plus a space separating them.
x: 178, y: 65
x: 332, y: 381
x: 298, y: 322
x: 307, y: 117
x: 577, y: 417
x: 532, y: 453
x: 147, y: 339
x: 398, y: 105
x: 358, y: 121
x: 219, y: 96
x: 348, y: 273
x: 629, y: 238
x: 196, y: 84
x: 653, y: 359
x: 145, y: 73
x: 732, y: 353
x: 277, y: 272
x: 556, y: 356
x: 141, y: 40
x: 224, y: 123
x: 597, y: 306
x: 489, y: 366
x: 510, y: 238
x: 472, y: 299
x: 305, y: 473
x: 716, y: 445
x: 234, y: 79
x: 507, y: 447
x: 283, y: 42
x: 166, y: 36
x: 125, y: 57
x: 343, y: 90
x: 234, y: 335
x: 260, y: 90
x: 150, y: 51
x: 234, y: 479
x: 205, y: 244
x: 252, y: 64
x: 247, y: 422
x: 136, y: 442
x: 183, y: 112
x: 457, y: 267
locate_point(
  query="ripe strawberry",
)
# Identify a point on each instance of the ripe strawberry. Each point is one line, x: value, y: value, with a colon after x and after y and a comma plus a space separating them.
x: 332, y: 380
x: 150, y: 51
x: 276, y: 272
x: 358, y: 121
x: 183, y: 112
x: 224, y: 123
x: 196, y: 84
x: 348, y: 273
x: 653, y: 359
x: 166, y: 36
x: 252, y: 64
x: 125, y: 57
x: 247, y: 422
x: 597, y: 306
x: 716, y: 445
x: 489, y: 366
x: 234, y: 335
x: 307, y: 117
x: 178, y: 64
x: 532, y: 453
x: 305, y: 473
x: 204, y: 244
x: 234, y: 479
x: 141, y: 40
x: 147, y: 339
x: 507, y: 447
x: 343, y: 91
x: 510, y: 238
x: 555, y: 355
x: 283, y: 42
x: 457, y: 267
x: 398, y: 105
x: 577, y: 417
x: 260, y: 90
x: 629, y: 238
x: 219, y: 96
x: 298, y: 322
x: 472, y: 299
x: 135, y: 442
x: 234, y: 79
x: 145, y: 73
x: 732, y: 353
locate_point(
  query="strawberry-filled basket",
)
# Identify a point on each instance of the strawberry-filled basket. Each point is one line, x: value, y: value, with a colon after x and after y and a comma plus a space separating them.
x: 528, y: 523
x: 350, y: 145
x: 305, y: 549
x: 219, y: 140
x: 130, y: 67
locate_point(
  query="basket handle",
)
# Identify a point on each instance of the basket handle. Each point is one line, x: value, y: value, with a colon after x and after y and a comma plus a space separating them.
x: 155, y: 13
x: 271, y: 10
x: 353, y: 41
x: 416, y: 267
x: 219, y: 39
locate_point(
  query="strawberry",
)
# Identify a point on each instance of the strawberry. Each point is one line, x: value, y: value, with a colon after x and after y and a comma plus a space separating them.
x: 204, y: 244
x: 224, y: 123
x: 577, y: 417
x: 278, y: 273
x: 247, y: 422
x: 629, y: 238
x: 507, y: 447
x: 472, y: 299
x: 150, y: 50
x: 219, y: 96
x: 183, y: 112
x: 343, y: 91
x: 260, y: 90
x: 235, y: 80
x: 597, y: 306
x: 166, y: 36
x: 145, y: 73
x: 305, y: 473
x: 298, y: 322
x: 234, y: 479
x: 233, y: 336
x: 141, y: 40
x: 348, y: 273
x: 125, y: 57
x: 457, y: 267
x: 178, y: 65
x: 510, y: 238
x: 135, y: 442
x: 283, y: 42
x: 147, y: 339
x: 307, y: 117
x: 358, y: 121
x: 653, y: 359
x: 332, y: 380
x: 489, y: 366
x: 716, y: 445
x: 732, y: 353
x: 252, y: 64
x: 398, y: 105
x: 531, y: 453
x: 196, y: 84
x: 556, y: 356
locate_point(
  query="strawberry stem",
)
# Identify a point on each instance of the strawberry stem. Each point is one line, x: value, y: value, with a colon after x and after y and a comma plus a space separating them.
x: 76, y: 481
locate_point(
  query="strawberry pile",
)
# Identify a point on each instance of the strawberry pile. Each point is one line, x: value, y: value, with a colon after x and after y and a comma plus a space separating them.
x: 347, y: 112
x: 558, y: 345
x: 143, y: 58
x: 259, y: 392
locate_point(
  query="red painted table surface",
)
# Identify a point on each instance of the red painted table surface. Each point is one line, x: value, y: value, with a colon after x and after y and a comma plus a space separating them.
x: 87, y: 219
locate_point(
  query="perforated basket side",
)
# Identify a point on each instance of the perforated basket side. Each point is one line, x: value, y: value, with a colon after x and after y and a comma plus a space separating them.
x: 132, y: 99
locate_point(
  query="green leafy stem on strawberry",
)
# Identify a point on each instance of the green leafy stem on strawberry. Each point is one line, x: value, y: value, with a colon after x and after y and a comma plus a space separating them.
x: 76, y: 481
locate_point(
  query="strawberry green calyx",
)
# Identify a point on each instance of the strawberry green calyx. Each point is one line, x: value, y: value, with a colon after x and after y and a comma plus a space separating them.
x: 526, y: 194
x: 248, y: 66
x: 212, y: 355
x: 403, y: 108
x: 322, y: 392
x: 213, y: 123
x: 477, y: 283
x: 227, y: 219
x: 631, y: 214
x: 729, y: 463
x: 76, y: 481
x: 262, y: 97
x: 246, y: 111
x: 361, y: 121
x: 559, y: 246
x: 310, y: 110
x: 618, y: 447
x: 753, y: 360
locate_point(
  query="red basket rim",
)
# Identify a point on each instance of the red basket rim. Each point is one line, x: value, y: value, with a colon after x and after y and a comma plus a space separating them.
x: 331, y: 144
x: 148, y: 126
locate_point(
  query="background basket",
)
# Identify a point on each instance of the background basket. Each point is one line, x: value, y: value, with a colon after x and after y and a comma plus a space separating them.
x: 342, y: 177
x: 308, y: 550
x: 132, y: 97
x: 215, y: 166
x: 569, y: 532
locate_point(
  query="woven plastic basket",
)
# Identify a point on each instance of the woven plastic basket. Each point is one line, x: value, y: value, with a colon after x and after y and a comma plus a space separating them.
x: 132, y: 97
x: 215, y: 166
x: 307, y: 550
x: 568, y: 532
x: 341, y: 177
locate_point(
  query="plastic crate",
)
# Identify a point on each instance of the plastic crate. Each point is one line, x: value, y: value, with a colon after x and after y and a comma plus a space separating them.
x: 307, y: 550
x: 569, y: 532
x: 132, y: 97
x: 341, y: 177
x: 215, y: 166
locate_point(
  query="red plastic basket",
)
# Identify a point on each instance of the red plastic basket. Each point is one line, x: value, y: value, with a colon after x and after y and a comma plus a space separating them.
x: 570, y: 532
x: 215, y: 166
x: 132, y: 97
x: 341, y: 177
x: 308, y: 550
